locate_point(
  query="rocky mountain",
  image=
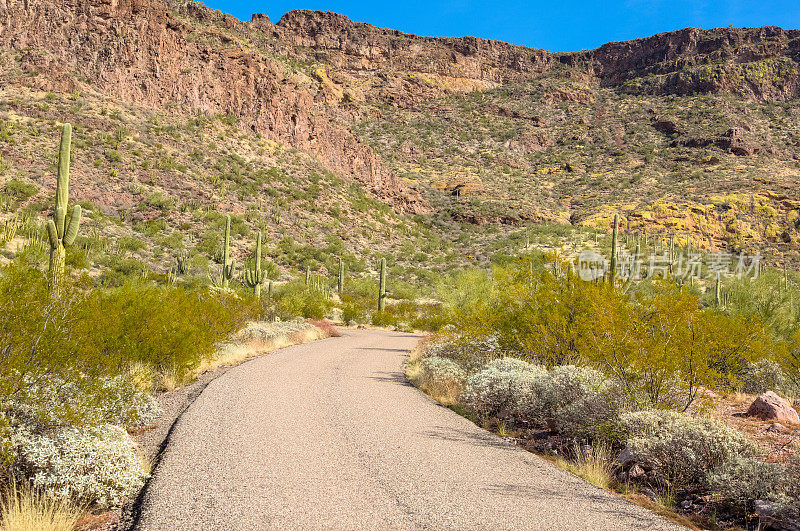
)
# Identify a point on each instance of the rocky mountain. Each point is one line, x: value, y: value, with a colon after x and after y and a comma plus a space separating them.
x: 315, y: 121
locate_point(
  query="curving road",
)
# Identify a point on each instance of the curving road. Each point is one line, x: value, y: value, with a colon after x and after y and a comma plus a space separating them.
x: 329, y: 435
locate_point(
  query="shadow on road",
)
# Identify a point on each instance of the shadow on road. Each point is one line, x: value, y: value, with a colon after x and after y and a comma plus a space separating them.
x: 469, y: 436
x: 396, y: 377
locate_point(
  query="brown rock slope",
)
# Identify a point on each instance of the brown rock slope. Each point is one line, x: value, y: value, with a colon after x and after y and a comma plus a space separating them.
x: 141, y: 52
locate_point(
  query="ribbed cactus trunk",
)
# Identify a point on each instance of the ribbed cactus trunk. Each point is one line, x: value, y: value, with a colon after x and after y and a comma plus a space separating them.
x: 227, y: 263
x: 340, y: 284
x: 671, y: 250
x: 614, y: 248
x: 308, y: 275
x: 382, y: 286
x: 61, y: 232
x: 717, y: 293
x: 259, y: 280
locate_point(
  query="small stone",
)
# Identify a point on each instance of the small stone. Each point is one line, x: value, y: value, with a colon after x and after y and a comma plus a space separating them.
x: 777, y: 427
x: 685, y: 504
x: 647, y: 491
x: 635, y: 472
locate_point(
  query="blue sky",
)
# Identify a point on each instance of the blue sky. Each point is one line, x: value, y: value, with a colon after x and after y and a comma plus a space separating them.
x: 553, y: 25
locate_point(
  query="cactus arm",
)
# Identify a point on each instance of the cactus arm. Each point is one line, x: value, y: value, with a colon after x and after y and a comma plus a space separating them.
x: 62, y: 188
x: 71, y: 231
x: 52, y: 233
x: 258, y: 253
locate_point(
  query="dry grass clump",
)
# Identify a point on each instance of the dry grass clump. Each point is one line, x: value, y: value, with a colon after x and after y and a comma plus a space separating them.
x: 26, y: 509
x: 593, y: 463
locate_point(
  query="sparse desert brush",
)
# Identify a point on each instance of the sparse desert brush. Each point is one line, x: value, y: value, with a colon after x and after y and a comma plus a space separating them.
x: 326, y: 326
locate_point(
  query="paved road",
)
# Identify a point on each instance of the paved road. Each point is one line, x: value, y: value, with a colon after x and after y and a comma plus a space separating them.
x: 329, y: 435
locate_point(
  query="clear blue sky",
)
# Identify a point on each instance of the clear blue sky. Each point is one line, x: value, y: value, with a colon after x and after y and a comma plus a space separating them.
x: 554, y: 25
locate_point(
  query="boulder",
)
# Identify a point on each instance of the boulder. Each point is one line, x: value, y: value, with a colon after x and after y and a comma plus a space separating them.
x: 770, y: 406
x: 626, y: 458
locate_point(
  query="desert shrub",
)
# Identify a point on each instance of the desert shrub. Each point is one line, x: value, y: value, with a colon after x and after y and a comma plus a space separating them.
x: 743, y: 480
x: 441, y: 376
x: 471, y: 352
x: 353, y: 312
x: 166, y: 328
x: 510, y: 365
x: 764, y: 375
x: 577, y: 399
x: 121, y: 271
x: 45, y: 401
x: 20, y: 190
x: 681, y: 448
x: 296, y: 299
x: 95, y: 465
x: 499, y: 388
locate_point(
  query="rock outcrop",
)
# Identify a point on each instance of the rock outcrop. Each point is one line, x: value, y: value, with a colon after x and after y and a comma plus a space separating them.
x: 140, y: 52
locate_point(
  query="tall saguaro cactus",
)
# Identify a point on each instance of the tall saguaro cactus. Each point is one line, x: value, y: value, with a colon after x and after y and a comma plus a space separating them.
x: 62, y: 231
x: 340, y: 284
x: 382, y: 286
x: 255, y: 278
x: 228, y: 265
x: 614, y: 248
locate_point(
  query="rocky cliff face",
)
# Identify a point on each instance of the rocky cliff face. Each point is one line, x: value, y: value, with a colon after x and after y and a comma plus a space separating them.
x: 760, y: 63
x: 362, y: 46
x: 140, y: 52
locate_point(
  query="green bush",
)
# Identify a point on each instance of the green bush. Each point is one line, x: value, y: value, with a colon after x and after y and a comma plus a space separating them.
x: 20, y: 190
x: 296, y: 299
x: 167, y: 328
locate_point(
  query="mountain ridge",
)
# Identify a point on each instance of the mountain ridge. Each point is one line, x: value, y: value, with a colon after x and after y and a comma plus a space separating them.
x: 671, y: 129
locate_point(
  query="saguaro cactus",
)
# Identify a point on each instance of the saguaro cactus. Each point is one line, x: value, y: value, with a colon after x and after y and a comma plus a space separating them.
x: 255, y: 278
x: 382, y: 286
x: 340, y: 284
x: 717, y: 293
x: 228, y: 265
x: 60, y: 231
x: 182, y: 263
x: 308, y: 275
x: 614, y: 248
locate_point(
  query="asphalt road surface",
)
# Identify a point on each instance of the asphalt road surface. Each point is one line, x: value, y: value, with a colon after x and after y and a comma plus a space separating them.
x: 329, y: 435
